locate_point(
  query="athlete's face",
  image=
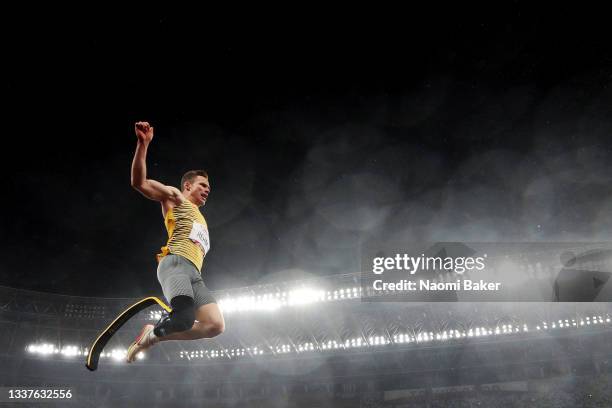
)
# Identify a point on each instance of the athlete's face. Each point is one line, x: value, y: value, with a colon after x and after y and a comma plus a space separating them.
x: 198, y: 190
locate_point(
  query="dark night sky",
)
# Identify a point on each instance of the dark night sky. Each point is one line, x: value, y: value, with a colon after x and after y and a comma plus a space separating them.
x: 484, y: 127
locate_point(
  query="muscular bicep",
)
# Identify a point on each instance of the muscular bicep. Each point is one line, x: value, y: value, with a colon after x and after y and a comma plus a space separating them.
x: 154, y: 190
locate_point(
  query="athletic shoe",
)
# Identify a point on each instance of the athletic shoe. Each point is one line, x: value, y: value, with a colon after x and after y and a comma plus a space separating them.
x: 145, y: 339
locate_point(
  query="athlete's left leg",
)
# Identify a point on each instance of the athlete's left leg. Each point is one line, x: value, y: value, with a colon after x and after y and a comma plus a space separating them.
x: 209, y: 323
x: 209, y: 319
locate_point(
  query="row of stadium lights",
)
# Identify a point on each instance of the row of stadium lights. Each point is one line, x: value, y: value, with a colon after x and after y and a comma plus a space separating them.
x: 46, y: 349
x: 372, y: 341
x: 274, y: 301
x: 295, y: 297
x: 566, y: 323
x: 212, y: 354
x: 402, y: 338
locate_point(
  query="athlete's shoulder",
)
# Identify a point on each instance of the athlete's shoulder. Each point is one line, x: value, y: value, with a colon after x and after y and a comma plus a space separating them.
x: 176, y: 196
x: 175, y: 200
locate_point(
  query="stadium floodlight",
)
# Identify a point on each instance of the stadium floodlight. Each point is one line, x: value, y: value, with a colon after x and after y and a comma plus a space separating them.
x: 46, y: 349
x: 118, y: 354
x: 70, y: 351
x: 304, y: 296
x: 276, y: 300
x: 155, y: 315
x: 250, y: 303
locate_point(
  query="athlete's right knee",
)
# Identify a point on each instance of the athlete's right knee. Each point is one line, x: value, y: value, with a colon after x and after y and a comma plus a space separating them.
x: 181, y: 318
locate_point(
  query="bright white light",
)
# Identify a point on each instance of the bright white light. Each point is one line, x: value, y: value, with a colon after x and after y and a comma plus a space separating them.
x: 46, y: 349
x: 304, y: 296
x: 70, y: 351
x: 155, y: 315
x: 250, y: 303
x: 118, y: 354
x: 276, y: 300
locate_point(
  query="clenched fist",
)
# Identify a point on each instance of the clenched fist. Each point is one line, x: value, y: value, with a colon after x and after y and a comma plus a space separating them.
x: 144, y: 131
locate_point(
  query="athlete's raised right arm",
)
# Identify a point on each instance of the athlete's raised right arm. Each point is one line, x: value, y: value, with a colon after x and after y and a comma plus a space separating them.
x: 151, y: 189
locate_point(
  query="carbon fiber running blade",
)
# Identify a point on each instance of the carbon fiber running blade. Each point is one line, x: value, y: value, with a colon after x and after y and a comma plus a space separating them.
x: 105, y: 336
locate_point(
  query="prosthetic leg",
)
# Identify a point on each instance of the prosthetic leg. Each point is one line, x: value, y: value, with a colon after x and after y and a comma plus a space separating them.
x: 104, y: 337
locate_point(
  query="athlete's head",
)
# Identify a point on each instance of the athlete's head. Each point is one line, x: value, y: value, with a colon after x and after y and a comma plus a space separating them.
x: 195, y: 186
